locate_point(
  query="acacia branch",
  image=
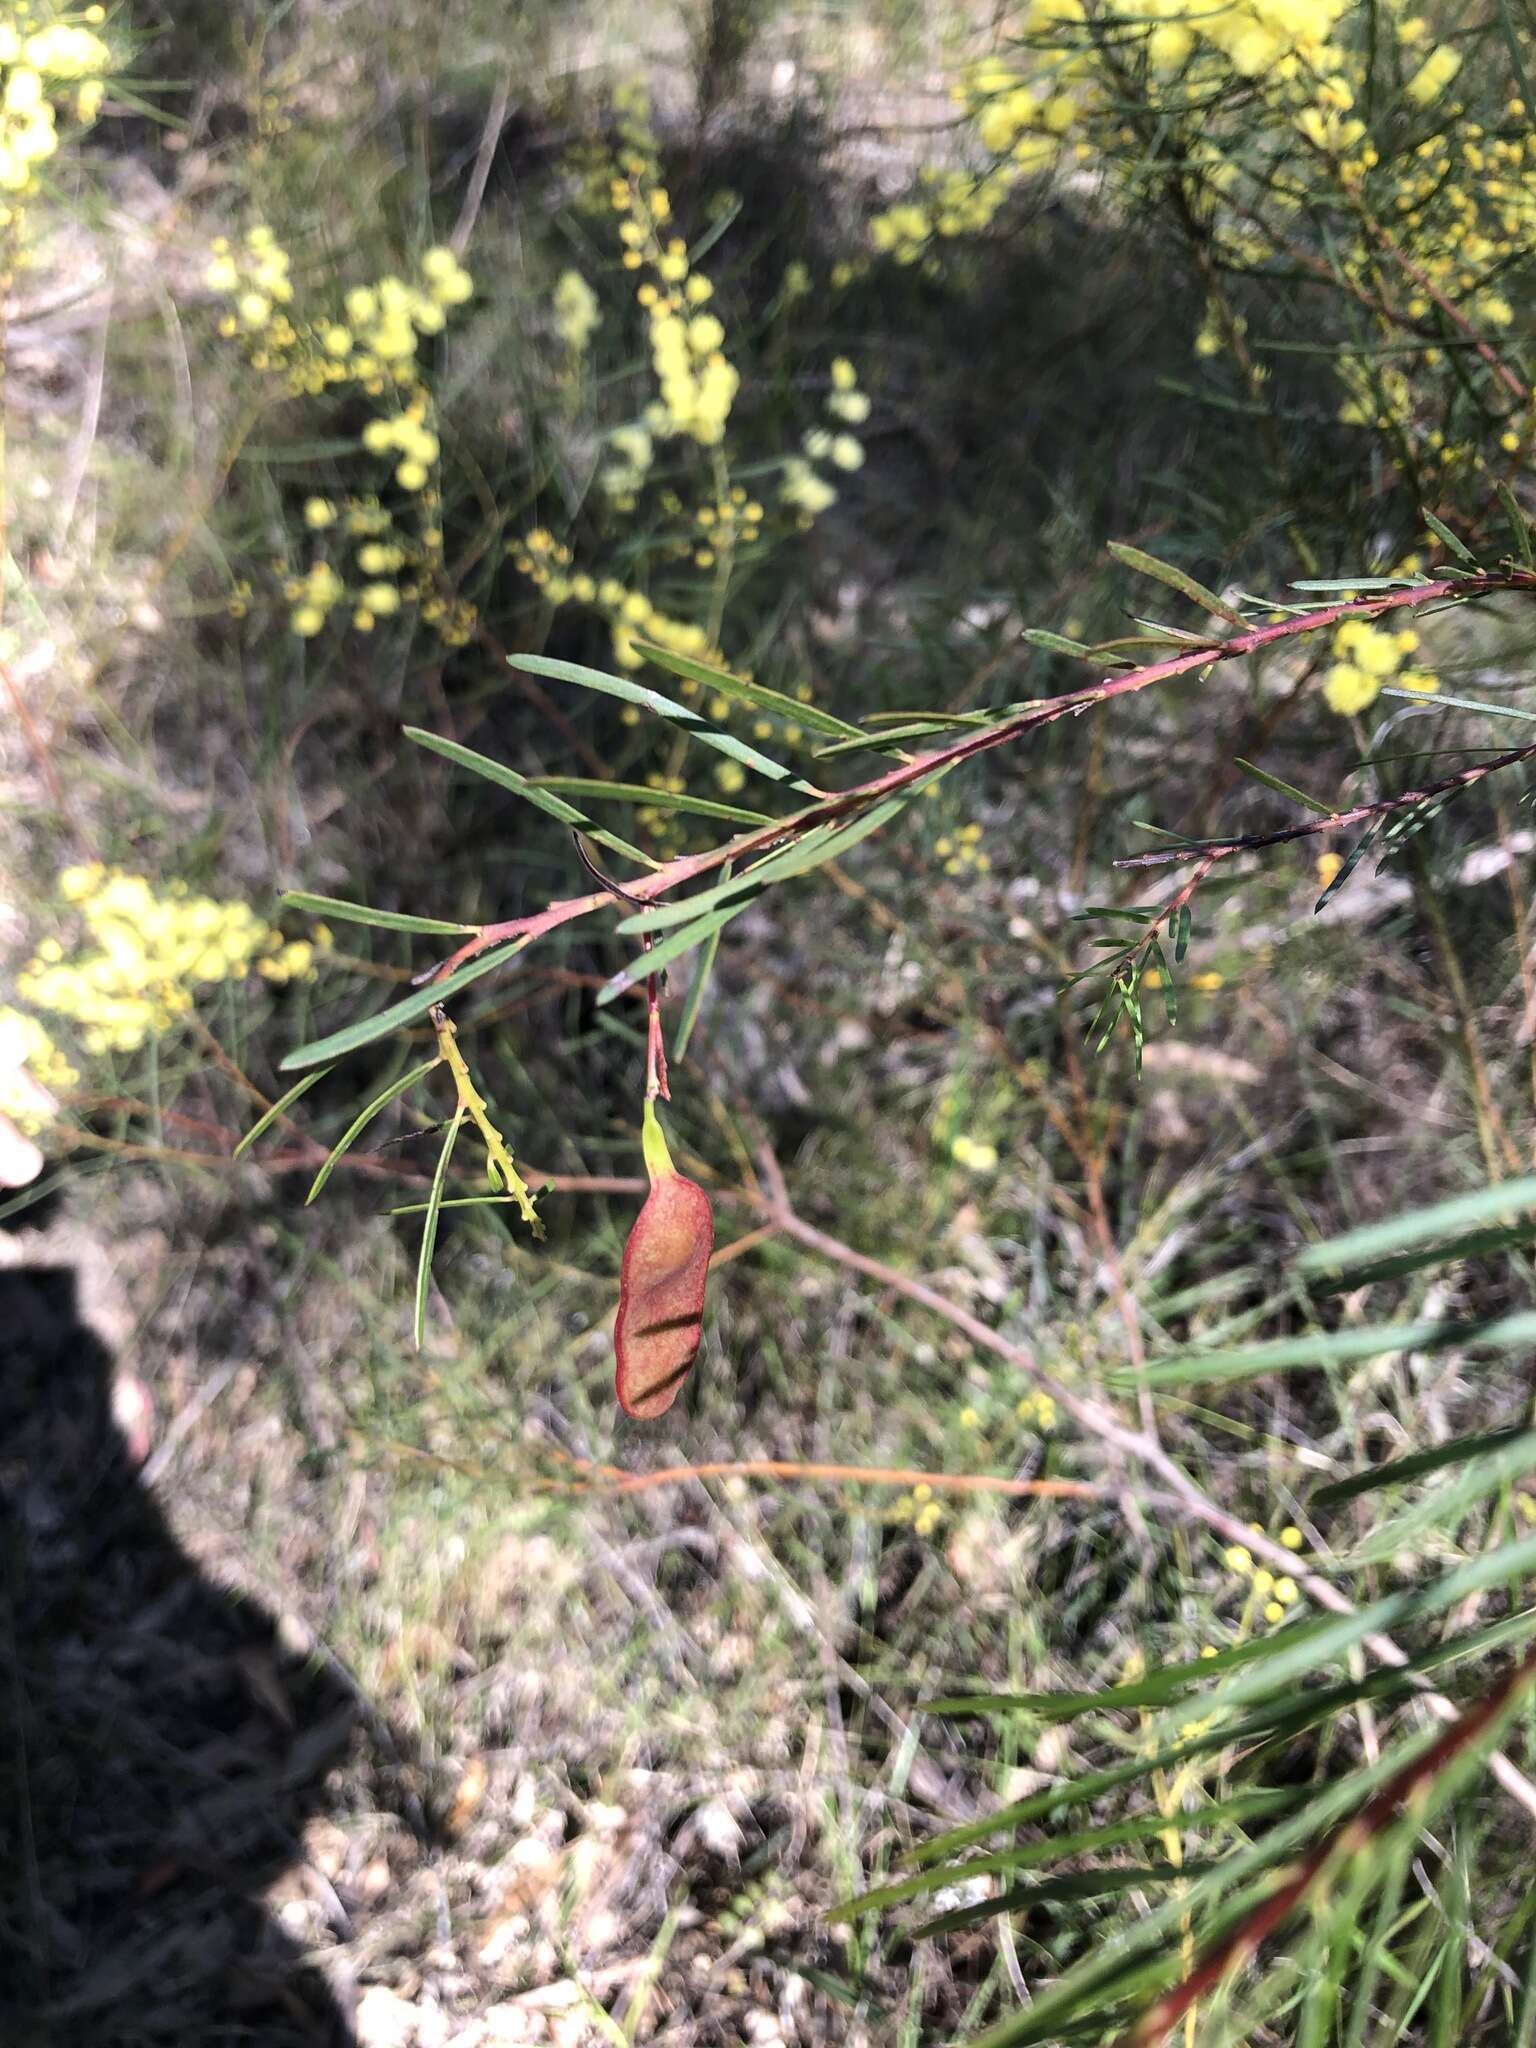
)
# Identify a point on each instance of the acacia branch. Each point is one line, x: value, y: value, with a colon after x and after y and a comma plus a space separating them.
x: 1208, y: 852
x: 845, y: 803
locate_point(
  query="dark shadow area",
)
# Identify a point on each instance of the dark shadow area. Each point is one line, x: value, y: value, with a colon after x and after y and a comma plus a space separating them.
x: 160, y: 1749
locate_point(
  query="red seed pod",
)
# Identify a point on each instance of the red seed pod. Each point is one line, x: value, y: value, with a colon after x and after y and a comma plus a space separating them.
x: 661, y: 1285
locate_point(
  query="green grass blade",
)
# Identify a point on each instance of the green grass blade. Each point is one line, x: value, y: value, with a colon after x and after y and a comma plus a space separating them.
x: 270, y: 1117
x: 703, y: 969
x: 429, y: 1228
x: 1418, y: 1465
x: 1334, y: 1347
x: 1419, y: 1226
x: 365, y: 1117
x: 1473, y: 1244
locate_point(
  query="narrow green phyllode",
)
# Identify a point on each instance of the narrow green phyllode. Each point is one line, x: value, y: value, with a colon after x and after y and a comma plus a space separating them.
x: 661, y: 1284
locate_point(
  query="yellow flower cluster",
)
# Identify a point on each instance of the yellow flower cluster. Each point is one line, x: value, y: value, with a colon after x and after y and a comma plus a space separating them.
x: 372, y: 347
x: 390, y: 568
x: 919, y: 1508
x: 975, y: 1154
x: 50, y: 65
x: 948, y: 204
x: 577, y: 315
x: 27, y: 1050
x: 632, y: 153
x: 696, y: 380
x: 407, y: 435
x: 802, y: 486
x: 1366, y: 658
x: 147, y: 955
x: 374, y: 344
x: 1295, y: 75
x: 732, y: 520
x: 623, y: 477
x: 962, y: 854
x: 630, y: 613
x: 1038, y: 1411
x: 1268, y: 1594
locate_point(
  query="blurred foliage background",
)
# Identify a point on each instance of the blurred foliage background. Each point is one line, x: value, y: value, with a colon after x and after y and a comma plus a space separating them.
x: 353, y: 346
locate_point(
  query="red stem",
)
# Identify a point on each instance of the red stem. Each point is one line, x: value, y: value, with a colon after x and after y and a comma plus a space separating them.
x: 688, y: 867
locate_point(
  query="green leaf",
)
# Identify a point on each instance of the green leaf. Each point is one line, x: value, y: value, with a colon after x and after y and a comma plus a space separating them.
x: 270, y: 1117
x: 1419, y: 1226
x: 429, y: 1228
x: 1472, y: 1244
x: 366, y: 1117
x: 737, y: 750
x: 360, y: 913
x: 1181, y: 938
x: 1285, y: 789
x: 658, y: 799
x: 1351, y: 861
x: 1442, y: 532
x: 821, y: 843
x: 701, y: 973
x: 945, y: 719
x: 1335, y: 1347
x: 652, y: 700
x: 1519, y: 525
x: 406, y: 1011
x: 497, y: 772
x: 1417, y: 1465
x: 666, y: 950
x: 888, y: 742
x: 607, y: 686
x: 519, y: 785
x: 1056, y: 643
x: 1337, y: 585
x: 1175, y: 579
x: 1170, y: 994
x: 778, y: 703
x: 1440, y: 698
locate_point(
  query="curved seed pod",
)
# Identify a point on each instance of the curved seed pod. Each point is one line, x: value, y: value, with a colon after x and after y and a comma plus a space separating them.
x: 661, y: 1285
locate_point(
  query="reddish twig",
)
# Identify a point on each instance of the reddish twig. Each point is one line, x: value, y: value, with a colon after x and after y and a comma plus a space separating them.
x: 1208, y: 852
x: 689, y: 867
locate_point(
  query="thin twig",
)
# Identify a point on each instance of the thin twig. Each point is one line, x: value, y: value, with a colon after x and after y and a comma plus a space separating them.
x: 485, y: 156
x: 689, y: 867
x: 1210, y: 851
